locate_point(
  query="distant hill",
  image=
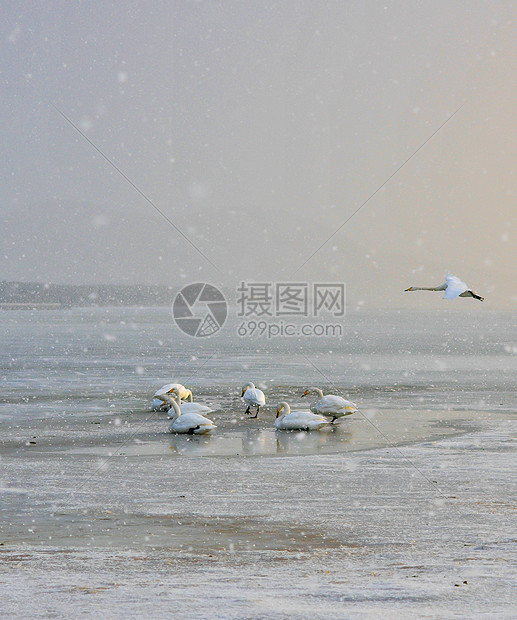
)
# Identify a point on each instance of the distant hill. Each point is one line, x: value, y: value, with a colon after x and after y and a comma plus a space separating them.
x: 36, y: 294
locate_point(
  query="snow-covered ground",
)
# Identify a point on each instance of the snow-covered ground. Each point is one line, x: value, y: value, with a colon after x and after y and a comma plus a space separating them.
x: 423, y: 529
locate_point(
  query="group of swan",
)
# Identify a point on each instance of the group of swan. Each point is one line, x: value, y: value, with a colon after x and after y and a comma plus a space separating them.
x: 159, y: 404
x: 186, y: 417
x: 329, y: 406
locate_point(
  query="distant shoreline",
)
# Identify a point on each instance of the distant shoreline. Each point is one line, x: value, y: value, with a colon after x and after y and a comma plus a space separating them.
x: 21, y: 305
x: 57, y: 306
x: 29, y: 295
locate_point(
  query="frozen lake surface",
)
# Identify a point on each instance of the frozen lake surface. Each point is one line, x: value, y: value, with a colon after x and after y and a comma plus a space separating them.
x: 405, y: 509
x: 86, y: 360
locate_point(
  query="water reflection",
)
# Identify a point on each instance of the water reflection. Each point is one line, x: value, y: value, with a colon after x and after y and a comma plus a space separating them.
x: 392, y: 427
x: 300, y: 442
x: 262, y: 442
x: 190, y: 445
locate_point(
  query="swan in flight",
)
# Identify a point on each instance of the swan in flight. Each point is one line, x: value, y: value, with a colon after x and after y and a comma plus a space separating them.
x: 453, y: 288
x: 330, y: 405
x: 168, y: 398
x: 288, y: 420
x: 189, y: 423
x: 253, y: 397
x: 159, y: 404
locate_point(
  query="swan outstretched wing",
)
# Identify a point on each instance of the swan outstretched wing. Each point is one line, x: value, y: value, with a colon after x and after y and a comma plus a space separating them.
x: 455, y: 287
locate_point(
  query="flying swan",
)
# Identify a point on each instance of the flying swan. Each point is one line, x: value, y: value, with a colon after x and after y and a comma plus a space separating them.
x: 330, y: 405
x: 288, y: 420
x: 453, y: 288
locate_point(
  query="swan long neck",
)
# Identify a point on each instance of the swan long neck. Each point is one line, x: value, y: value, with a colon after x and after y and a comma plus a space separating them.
x: 286, y: 410
x: 316, y: 391
x: 174, y: 405
x: 249, y: 385
x: 427, y: 288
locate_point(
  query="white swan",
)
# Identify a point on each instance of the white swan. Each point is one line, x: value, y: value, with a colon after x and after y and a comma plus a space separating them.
x: 189, y: 423
x: 253, y: 397
x: 185, y: 408
x: 453, y: 288
x: 298, y: 420
x: 158, y: 403
x: 330, y: 405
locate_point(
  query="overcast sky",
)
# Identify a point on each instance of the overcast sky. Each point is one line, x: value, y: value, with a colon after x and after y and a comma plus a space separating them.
x: 257, y: 128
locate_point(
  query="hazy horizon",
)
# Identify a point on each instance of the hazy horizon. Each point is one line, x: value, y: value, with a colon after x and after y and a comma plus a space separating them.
x: 258, y: 129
